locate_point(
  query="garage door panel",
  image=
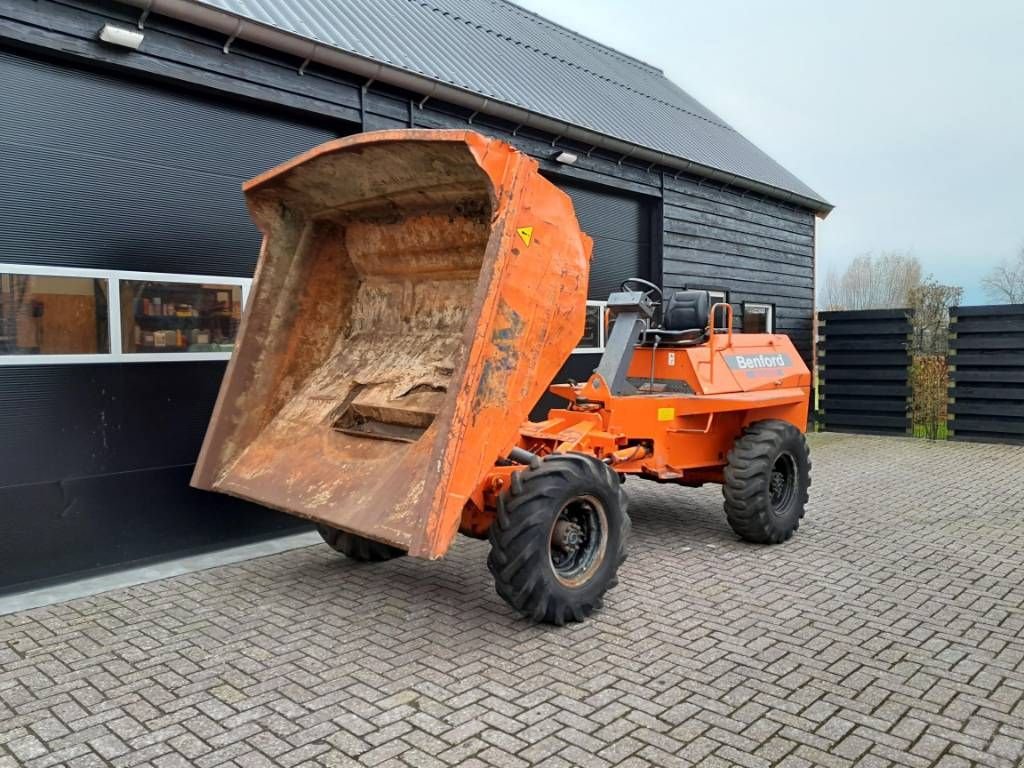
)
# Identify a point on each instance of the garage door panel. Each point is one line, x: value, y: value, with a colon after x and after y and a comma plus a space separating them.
x: 57, y: 211
x: 620, y: 226
x: 604, y: 213
x: 97, y: 116
x: 613, y: 262
x: 111, y: 173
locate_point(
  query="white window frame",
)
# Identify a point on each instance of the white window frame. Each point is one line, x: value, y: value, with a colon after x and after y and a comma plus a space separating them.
x: 603, y: 309
x: 717, y: 297
x: 769, y: 313
x: 113, y: 278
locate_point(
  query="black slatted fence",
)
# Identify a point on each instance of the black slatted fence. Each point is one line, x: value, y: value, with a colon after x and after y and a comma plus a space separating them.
x: 987, y: 374
x: 864, y: 371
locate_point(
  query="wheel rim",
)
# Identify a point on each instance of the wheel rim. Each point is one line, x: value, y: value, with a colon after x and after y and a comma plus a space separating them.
x: 578, y: 540
x: 782, y: 483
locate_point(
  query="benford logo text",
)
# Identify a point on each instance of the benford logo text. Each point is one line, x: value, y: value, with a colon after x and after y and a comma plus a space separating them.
x: 753, y: 362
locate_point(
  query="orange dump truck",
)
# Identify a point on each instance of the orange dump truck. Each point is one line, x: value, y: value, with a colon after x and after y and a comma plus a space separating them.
x: 416, y: 293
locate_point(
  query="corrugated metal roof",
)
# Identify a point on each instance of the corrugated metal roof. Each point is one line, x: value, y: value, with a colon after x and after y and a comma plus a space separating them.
x: 506, y: 53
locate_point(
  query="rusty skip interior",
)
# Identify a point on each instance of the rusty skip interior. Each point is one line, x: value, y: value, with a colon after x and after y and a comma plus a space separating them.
x: 370, y: 265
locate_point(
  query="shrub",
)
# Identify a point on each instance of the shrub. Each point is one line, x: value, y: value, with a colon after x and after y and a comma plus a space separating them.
x: 929, y: 381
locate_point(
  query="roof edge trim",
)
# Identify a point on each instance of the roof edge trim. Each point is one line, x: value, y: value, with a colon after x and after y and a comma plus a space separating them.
x: 235, y: 26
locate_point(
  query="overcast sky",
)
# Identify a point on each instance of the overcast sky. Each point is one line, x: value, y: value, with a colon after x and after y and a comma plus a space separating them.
x: 907, y: 115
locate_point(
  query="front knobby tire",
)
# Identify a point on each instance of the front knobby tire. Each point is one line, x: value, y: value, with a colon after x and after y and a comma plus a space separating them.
x: 356, y: 547
x: 559, y: 538
x: 766, y: 482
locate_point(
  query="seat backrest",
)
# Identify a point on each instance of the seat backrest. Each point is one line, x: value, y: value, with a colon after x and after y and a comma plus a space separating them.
x: 686, y: 311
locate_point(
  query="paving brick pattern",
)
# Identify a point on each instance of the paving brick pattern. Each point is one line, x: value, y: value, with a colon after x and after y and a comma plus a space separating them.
x: 889, y: 632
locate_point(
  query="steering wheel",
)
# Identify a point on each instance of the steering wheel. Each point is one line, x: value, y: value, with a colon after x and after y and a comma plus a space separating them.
x: 647, y: 288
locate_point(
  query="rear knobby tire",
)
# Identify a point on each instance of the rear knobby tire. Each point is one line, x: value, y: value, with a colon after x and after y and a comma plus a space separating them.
x: 357, y: 547
x: 559, y: 538
x: 766, y: 482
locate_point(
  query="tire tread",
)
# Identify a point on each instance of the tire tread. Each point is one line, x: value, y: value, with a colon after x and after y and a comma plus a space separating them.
x: 519, y: 535
x: 358, y: 547
x: 749, y: 462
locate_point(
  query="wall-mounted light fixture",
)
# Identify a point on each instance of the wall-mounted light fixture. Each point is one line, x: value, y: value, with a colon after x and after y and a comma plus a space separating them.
x: 566, y: 157
x: 121, y: 36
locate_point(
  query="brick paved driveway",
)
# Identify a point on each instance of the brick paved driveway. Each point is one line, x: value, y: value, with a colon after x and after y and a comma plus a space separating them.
x: 890, y: 631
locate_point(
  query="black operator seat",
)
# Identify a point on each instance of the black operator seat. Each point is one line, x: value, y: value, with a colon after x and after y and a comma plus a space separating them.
x: 684, y: 320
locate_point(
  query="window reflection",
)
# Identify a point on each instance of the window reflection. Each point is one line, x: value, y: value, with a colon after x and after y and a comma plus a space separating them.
x: 179, y: 317
x: 52, y: 315
x: 592, y: 328
x: 757, y: 318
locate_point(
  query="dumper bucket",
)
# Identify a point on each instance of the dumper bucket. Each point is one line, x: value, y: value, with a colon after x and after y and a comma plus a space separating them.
x: 416, y: 293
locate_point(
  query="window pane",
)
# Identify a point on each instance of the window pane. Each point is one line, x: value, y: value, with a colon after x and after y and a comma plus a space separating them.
x: 592, y: 329
x: 755, y: 319
x: 179, y: 317
x: 51, y: 315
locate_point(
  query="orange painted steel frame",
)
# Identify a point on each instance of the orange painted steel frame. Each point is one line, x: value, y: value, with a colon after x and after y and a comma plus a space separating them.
x: 669, y: 436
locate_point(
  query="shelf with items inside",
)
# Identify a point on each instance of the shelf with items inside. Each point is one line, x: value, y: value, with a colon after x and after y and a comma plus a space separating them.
x: 179, y: 317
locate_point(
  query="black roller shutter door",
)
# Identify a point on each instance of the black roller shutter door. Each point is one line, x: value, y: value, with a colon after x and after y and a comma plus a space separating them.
x: 111, y: 173
x: 620, y: 225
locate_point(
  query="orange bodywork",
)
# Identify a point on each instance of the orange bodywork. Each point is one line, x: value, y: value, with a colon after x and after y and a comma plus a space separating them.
x: 416, y: 293
x: 684, y: 437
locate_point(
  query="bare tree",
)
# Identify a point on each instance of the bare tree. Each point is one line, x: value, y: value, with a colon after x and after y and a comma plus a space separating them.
x: 1005, y: 283
x: 929, y: 376
x: 931, y: 301
x: 873, y: 282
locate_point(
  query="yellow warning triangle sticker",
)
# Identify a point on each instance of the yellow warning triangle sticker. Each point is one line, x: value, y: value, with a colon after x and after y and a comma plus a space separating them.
x: 526, y: 233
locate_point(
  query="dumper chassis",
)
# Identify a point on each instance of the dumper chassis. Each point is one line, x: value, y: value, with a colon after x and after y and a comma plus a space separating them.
x: 416, y: 292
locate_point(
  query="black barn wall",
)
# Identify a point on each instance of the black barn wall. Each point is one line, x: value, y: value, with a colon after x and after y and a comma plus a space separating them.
x: 164, y: 136
x: 755, y: 250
